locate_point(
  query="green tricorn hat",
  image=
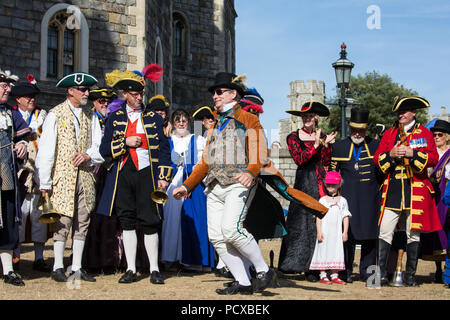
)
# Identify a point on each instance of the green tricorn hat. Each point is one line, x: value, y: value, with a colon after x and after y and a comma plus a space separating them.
x: 76, y: 79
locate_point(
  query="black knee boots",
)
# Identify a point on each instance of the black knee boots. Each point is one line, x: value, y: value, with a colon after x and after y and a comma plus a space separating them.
x: 412, y: 256
x: 383, y: 256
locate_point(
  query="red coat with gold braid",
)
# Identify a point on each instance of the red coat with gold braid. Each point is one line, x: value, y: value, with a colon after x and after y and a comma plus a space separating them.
x: 399, y: 192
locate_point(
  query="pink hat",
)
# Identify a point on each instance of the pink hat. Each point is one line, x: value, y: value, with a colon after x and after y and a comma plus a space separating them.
x: 332, y: 177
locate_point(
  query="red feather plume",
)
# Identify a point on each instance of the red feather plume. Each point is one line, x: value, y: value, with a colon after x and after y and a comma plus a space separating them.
x: 153, y: 72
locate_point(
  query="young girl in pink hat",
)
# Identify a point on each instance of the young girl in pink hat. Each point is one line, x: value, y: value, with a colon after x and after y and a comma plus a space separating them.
x: 332, y: 232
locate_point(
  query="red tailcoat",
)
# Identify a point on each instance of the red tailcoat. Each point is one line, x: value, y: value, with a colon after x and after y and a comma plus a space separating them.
x: 424, y: 215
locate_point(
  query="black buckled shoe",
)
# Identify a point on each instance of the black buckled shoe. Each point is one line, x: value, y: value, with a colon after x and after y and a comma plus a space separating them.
x: 156, y: 278
x: 13, y: 278
x: 263, y: 280
x: 223, y: 272
x: 41, y: 266
x: 229, y: 284
x: 59, y: 275
x: 81, y: 274
x: 235, y: 288
x: 128, y: 277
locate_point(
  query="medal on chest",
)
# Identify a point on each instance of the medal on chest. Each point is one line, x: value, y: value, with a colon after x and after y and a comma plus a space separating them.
x: 357, y: 155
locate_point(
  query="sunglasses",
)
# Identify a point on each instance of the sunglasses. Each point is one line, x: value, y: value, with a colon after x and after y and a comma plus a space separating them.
x: 103, y: 101
x: 220, y: 92
x: 82, y: 89
x: 438, y: 134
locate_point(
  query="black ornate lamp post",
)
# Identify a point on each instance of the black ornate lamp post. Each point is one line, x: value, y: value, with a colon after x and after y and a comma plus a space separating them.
x: 343, y: 68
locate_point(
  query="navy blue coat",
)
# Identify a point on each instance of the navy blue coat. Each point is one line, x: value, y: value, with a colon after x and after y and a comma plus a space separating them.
x: 361, y: 187
x: 113, y: 149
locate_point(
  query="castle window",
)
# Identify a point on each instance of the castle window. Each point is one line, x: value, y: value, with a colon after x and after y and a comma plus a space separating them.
x: 64, y: 42
x: 159, y: 86
x: 62, y: 58
x: 180, y: 36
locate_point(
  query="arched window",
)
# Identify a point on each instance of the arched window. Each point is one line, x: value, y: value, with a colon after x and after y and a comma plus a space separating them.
x: 64, y: 42
x: 180, y: 36
x: 159, y: 86
x: 62, y: 54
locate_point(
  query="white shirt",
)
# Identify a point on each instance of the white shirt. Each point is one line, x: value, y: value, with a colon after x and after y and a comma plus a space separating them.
x: 47, y: 145
x: 36, y: 120
x: 142, y: 153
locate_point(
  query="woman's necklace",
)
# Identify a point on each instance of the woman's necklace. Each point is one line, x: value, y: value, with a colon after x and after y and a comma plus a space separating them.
x: 310, y: 133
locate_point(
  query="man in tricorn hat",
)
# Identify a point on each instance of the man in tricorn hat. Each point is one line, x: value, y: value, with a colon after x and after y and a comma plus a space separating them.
x: 404, y: 154
x: 101, y: 97
x: 68, y: 151
x: 25, y: 94
x: 352, y: 157
x: 160, y: 105
x: 12, y: 130
x: 139, y: 153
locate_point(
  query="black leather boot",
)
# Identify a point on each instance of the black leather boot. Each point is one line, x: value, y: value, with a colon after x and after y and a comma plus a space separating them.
x: 412, y: 257
x: 383, y: 256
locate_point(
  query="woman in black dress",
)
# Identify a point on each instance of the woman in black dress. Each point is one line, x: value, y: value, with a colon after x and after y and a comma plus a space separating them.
x: 311, y: 151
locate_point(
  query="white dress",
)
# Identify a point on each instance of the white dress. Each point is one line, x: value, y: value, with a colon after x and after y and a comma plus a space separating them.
x: 171, y: 245
x: 329, y: 254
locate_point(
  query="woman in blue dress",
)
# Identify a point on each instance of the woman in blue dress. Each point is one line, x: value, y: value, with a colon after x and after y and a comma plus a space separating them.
x: 184, y: 231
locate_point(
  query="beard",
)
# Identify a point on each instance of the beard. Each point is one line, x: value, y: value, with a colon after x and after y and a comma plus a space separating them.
x: 83, y: 101
x: 357, y: 140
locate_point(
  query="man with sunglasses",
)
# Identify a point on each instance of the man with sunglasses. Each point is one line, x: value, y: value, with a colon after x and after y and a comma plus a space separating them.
x: 403, y: 156
x: 234, y: 156
x: 101, y: 97
x: 68, y: 152
x: 25, y: 94
x: 139, y: 155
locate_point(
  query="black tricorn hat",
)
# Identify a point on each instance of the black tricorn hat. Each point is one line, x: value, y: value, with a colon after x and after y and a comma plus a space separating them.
x: 95, y: 94
x: 158, y: 102
x: 230, y: 81
x: 359, y: 118
x: 312, y: 107
x: 203, y: 112
x: 24, y: 89
x: 409, y: 103
x: 441, y: 126
x: 380, y: 128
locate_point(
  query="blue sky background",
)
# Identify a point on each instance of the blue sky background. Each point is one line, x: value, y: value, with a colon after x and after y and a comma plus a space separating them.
x: 281, y: 41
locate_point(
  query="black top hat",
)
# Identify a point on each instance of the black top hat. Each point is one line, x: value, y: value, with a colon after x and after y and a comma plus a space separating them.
x: 24, y: 89
x: 203, y: 112
x: 409, y: 103
x: 359, y: 118
x: 312, y: 107
x: 230, y: 81
x: 101, y: 93
x: 441, y: 126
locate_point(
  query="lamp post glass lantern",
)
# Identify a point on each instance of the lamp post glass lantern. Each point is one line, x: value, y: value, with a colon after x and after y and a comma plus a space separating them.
x: 343, y: 68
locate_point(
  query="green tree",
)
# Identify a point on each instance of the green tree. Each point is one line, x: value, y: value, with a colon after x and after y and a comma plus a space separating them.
x: 376, y: 93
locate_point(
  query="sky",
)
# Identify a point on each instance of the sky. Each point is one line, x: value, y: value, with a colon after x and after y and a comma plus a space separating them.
x: 278, y: 42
